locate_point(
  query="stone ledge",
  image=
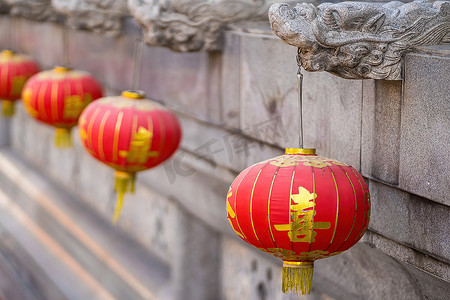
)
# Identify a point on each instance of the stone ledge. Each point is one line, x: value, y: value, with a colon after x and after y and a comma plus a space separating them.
x: 407, y: 255
x: 119, y: 264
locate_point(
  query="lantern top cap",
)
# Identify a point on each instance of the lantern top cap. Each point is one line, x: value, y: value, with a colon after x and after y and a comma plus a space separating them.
x: 300, y: 151
x: 133, y: 94
x: 61, y: 69
x: 7, y: 52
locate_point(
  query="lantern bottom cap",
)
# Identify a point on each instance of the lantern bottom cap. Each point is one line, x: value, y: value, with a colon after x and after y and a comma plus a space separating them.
x: 297, y: 277
x: 304, y: 151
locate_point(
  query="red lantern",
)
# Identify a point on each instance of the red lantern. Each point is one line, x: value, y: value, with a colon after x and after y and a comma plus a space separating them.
x: 57, y: 97
x: 15, y: 69
x: 299, y: 207
x: 130, y: 134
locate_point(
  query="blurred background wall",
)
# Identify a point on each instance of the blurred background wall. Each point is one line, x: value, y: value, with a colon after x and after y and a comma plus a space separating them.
x: 237, y: 106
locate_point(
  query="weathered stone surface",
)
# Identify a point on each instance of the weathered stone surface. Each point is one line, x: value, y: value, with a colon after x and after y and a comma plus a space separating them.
x: 424, y: 151
x: 364, y: 273
x: 89, y: 258
x: 359, y: 39
x: 332, y: 116
x: 4, y: 7
x: 194, y: 25
x: 205, y: 199
x: 230, y: 80
x: 4, y: 131
x: 181, y: 81
x: 248, y: 274
x: 268, y: 105
x: 39, y: 10
x: 410, y: 220
x: 196, y: 263
x: 21, y: 278
x: 108, y: 59
x: 408, y: 255
x: 99, y: 16
x: 38, y: 39
x: 381, y: 130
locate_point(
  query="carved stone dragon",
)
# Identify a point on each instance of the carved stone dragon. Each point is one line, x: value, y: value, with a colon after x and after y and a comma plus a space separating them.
x: 100, y: 16
x: 359, y: 40
x: 4, y: 8
x: 193, y: 25
x: 38, y: 10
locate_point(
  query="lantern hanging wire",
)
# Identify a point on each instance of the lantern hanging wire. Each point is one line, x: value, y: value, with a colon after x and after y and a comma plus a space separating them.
x: 300, y: 100
x: 124, y: 182
x: 65, y: 45
x: 137, y: 61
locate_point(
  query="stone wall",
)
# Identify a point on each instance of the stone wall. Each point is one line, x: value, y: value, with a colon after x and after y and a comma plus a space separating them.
x: 238, y: 107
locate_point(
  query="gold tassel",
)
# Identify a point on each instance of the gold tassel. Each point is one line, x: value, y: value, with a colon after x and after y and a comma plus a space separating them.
x: 7, y: 108
x: 297, y: 277
x: 124, y: 182
x: 63, y: 138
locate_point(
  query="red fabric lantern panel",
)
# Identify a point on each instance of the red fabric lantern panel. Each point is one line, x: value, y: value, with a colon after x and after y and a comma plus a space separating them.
x: 130, y: 134
x: 299, y: 207
x: 15, y: 69
x: 57, y: 97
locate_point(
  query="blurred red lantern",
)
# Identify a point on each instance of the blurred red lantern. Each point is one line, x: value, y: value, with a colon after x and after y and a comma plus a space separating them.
x: 299, y: 207
x: 130, y: 134
x: 15, y: 69
x: 57, y: 97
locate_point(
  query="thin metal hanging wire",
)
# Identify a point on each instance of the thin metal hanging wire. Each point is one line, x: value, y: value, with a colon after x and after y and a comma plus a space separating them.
x: 300, y: 100
x: 65, y: 45
x: 12, y: 33
x: 137, y: 61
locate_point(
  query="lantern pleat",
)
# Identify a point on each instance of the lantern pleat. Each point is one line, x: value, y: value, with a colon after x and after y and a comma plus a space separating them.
x: 299, y: 207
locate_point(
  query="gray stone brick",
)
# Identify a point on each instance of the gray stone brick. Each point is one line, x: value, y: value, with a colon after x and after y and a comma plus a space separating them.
x: 363, y: 273
x: 41, y: 40
x: 4, y: 131
x: 268, y: 90
x: 381, y: 129
x: 196, y: 262
x: 230, y: 80
x: 180, y: 80
x: 332, y: 113
x: 109, y: 59
x: 424, y: 146
x: 410, y: 220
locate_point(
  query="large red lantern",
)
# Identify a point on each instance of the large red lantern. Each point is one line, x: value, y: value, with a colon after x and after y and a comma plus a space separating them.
x: 130, y: 134
x: 299, y: 207
x: 57, y: 97
x: 15, y: 69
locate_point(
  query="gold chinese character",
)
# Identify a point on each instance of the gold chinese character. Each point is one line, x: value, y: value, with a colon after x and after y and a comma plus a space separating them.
x: 140, y: 147
x: 73, y: 106
x: 301, y: 221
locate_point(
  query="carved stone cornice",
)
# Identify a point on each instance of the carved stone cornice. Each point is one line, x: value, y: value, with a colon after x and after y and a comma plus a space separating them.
x: 38, y: 10
x: 100, y: 16
x: 193, y: 25
x: 360, y: 40
x: 4, y: 7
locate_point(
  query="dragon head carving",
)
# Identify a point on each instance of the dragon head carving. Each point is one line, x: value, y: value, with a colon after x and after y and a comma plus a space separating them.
x: 358, y: 39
